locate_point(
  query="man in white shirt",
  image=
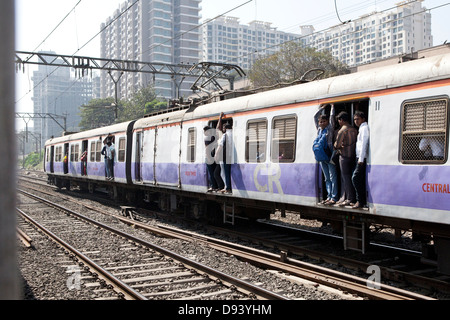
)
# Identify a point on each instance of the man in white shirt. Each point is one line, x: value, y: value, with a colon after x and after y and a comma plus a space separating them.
x: 224, y: 153
x: 362, y: 152
x: 437, y: 148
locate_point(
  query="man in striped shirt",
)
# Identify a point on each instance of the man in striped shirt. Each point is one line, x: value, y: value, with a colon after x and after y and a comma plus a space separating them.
x: 345, y: 144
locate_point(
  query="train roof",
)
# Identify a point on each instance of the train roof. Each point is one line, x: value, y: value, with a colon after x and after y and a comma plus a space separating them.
x: 407, y: 73
x: 104, y: 131
x: 411, y: 72
x: 159, y: 119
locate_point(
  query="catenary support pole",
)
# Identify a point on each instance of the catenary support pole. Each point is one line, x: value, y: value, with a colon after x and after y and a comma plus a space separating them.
x: 9, y: 275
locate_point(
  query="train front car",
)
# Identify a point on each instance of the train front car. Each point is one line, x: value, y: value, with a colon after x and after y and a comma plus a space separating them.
x: 77, y: 159
x: 406, y: 184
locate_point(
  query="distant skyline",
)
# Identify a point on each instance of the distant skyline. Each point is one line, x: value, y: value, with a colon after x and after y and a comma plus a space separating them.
x: 76, y: 34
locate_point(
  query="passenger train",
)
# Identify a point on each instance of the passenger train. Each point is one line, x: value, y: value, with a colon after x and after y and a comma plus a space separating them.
x: 161, y: 158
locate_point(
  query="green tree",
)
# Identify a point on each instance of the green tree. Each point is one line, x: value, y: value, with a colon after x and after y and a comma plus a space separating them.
x: 33, y: 160
x: 97, y: 113
x: 291, y: 63
x: 141, y: 103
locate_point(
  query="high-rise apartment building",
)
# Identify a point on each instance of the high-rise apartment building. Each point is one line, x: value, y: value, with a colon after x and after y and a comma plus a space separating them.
x: 372, y: 37
x: 156, y: 31
x: 56, y: 95
x: 379, y: 35
x: 226, y: 40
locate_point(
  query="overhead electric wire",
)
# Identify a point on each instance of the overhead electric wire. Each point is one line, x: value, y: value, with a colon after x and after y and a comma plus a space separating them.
x: 117, y: 17
x: 196, y: 27
x: 331, y: 15
x: 329, y: 28
x: 57, y: 26
x: 106, y: 26
x: 337, y: 12
x: 112, y: 21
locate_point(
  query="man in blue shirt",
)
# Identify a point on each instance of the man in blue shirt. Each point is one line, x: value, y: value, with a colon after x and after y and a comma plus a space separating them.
x: 325, y: 126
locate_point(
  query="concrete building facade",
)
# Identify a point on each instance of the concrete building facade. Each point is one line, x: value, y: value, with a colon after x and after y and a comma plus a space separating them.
x: 376, y: 36
x: 156, y: 31
x: 226, y: 40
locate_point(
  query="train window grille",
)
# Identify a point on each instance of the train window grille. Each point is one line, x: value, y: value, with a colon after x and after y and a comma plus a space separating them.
x: 192, y: 135
x: 424, y: 131
x: 256, y: 141
x: 121, y: 155
x: 284, y: 131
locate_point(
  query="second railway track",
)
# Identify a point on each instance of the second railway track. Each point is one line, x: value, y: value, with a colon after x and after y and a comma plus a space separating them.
x: 149, y: 272
x: 349, y: 284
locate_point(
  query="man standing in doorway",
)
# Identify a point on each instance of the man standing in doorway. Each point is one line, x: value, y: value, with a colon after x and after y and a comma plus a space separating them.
x: 224, y: 153
x: 362, y: 152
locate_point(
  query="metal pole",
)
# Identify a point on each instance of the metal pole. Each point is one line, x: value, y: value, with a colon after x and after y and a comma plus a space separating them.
x: 9, y: 275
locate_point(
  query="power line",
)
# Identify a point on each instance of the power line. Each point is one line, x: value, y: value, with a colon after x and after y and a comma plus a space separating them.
x: 106, y: 26
x: 57, y: 26
x: 196, y: 27
x: 329, y: 28
x: 48, y: 75
x: 337, y: 13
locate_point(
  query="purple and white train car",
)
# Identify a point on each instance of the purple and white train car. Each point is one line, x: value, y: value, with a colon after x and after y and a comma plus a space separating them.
x: 74, y: 145
x: 273, y: 166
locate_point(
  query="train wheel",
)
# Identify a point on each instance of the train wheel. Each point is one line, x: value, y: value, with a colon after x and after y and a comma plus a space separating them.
x: 214, y: 213
x: 58, y: 184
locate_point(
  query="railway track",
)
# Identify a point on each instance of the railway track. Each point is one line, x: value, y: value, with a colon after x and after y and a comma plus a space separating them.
x: 152, y: 273
x: 283, y: 263
x: 390, y: 266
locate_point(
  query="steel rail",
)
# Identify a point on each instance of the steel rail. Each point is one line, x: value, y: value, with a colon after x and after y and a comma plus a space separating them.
x: 328, y: 277
x: 125, y: 290
x: 26, y: 240
x: 249, y: 288
x: 387, y: 273
x: 304, y: 270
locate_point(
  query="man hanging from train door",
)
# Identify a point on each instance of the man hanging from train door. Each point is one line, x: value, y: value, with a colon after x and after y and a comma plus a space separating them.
x: 224, y: 153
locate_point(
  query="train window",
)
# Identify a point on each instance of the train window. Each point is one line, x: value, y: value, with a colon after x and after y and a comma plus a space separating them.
x: 74, y: 152
x: 424, y: 131
x: 98, y: 152
x: 192, y: 137
x: 121, y: 156
x: 77, y: 153
x: 256, y: 141
x: 284, y: 132
x: 58, y: 154
x: 92, y: 151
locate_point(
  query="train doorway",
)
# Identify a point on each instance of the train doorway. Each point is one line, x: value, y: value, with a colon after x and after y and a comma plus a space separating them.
x: 138, y: 156
x: 66, y: 158
x: 84, y: 157
x: 52, y: 159
x: 350, y: 106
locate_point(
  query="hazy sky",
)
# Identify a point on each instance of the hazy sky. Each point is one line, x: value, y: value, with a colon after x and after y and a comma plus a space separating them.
x: 35, y: 20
